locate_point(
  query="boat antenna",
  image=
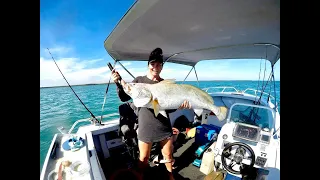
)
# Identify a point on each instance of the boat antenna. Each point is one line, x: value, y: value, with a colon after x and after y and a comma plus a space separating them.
x: 255, y: 99
x: 265, y: 66
x: 274, y: 88
x: 263, y: 86
x: 92, y: 115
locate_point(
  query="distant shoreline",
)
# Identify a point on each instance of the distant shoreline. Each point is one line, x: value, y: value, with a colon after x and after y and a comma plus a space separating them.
x: 114, y: 83
x: 77, y: 85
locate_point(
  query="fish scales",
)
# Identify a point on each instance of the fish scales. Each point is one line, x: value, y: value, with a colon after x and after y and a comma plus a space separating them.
x: 170, y: 96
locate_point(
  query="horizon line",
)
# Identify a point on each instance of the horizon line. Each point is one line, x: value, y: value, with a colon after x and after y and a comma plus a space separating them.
x: 114, y: 83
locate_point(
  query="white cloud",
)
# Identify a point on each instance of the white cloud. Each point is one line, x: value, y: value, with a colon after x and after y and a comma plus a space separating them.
x: 60, y: 50
x: 75, y: 71
x: 79, y: 71
x: 56, y: 51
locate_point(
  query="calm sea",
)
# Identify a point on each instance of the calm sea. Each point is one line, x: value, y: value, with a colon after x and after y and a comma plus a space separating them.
x: 60, y: 107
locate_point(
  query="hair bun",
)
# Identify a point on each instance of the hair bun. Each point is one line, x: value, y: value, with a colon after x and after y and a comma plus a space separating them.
x: 156, y: 54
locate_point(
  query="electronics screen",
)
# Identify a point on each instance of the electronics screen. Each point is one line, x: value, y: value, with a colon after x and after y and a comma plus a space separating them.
x: 246, y: 132
x: 265, y: 138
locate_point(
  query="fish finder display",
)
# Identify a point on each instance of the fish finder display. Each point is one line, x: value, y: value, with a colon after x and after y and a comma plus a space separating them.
x: 246, y: 132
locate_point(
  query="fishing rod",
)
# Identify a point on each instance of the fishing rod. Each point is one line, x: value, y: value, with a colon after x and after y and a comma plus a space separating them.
x: 92, y: 115
x: 111, y: 69
x: 105, y: 95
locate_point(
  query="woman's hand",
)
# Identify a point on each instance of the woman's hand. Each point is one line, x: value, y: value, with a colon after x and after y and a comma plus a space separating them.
x: 115, y: 76
x: 185, y: 105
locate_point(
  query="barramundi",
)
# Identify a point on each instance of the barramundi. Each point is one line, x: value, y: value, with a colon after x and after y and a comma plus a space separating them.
x: 168, y: 95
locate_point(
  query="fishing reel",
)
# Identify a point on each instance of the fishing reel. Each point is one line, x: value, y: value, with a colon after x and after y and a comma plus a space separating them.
x: 94, y: 121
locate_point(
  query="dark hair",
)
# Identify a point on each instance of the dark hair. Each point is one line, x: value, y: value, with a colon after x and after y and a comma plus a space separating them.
x: 156, y: 55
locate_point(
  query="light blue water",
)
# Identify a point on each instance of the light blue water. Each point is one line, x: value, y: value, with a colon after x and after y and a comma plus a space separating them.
x: 60, y: 107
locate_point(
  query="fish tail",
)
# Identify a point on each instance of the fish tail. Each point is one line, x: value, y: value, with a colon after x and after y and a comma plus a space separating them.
x: 220, y: 112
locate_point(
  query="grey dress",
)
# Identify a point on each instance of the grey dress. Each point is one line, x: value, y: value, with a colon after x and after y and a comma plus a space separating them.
x: 150, y: 128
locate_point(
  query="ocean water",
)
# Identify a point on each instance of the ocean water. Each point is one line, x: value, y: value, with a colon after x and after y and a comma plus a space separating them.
x: 60, y: 107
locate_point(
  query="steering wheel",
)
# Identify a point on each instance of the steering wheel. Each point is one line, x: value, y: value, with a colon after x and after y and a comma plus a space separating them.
x: 237, y: 157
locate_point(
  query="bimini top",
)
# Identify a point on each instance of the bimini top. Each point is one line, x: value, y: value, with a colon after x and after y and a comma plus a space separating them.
x: 189, y: 31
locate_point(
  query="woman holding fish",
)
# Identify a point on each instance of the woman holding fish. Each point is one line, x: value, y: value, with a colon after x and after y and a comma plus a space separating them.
x: 152, y: 127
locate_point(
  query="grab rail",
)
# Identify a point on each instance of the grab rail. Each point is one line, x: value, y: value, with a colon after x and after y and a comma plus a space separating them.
x: 238, y: 91
x: 255, y: 92
x: 220, y: 87
x: 84, y: 120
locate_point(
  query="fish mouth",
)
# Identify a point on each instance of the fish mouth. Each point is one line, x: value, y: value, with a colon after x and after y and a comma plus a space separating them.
x: 127, y: 88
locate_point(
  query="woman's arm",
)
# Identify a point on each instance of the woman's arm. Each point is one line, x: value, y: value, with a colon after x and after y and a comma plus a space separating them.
x: 121, y: 94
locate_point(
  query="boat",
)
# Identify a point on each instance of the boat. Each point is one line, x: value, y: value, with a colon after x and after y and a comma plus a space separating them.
x: 245, y: 145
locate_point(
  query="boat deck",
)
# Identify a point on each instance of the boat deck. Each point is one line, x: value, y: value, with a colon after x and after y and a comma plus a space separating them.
x: 184, y: 169
x: 184, y: 157
x: 58, y: 154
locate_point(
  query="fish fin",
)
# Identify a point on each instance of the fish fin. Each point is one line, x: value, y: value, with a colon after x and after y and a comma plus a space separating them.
x: 221, y: 114
x: 141, y: 102
x: 163, y: 114
x: 155, y: 106
x: 198, y: 111
x: 168, y: 81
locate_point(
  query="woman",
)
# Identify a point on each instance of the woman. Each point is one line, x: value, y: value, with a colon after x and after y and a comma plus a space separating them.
x: 152, y: 129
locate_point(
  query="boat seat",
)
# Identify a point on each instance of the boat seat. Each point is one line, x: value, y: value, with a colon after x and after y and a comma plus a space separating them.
x: 128, y: 122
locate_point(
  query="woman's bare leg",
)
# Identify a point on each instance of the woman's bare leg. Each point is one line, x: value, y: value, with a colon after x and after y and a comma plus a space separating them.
x: 144, y: 154
x: 167, y: 154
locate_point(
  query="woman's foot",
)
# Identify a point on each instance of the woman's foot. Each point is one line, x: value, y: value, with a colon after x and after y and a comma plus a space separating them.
x: 157, y: 162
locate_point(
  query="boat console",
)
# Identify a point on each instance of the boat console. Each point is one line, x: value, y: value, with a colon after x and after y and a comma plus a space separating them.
x: 245, y: 143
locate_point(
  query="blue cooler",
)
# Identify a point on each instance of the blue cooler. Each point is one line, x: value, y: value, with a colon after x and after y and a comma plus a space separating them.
x: 205, y: 133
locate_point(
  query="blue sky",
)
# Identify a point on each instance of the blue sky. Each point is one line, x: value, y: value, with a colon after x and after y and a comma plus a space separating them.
x: 74, y: 31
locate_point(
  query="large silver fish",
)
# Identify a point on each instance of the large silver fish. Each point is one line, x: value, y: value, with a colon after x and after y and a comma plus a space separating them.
x: 169, y: 95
